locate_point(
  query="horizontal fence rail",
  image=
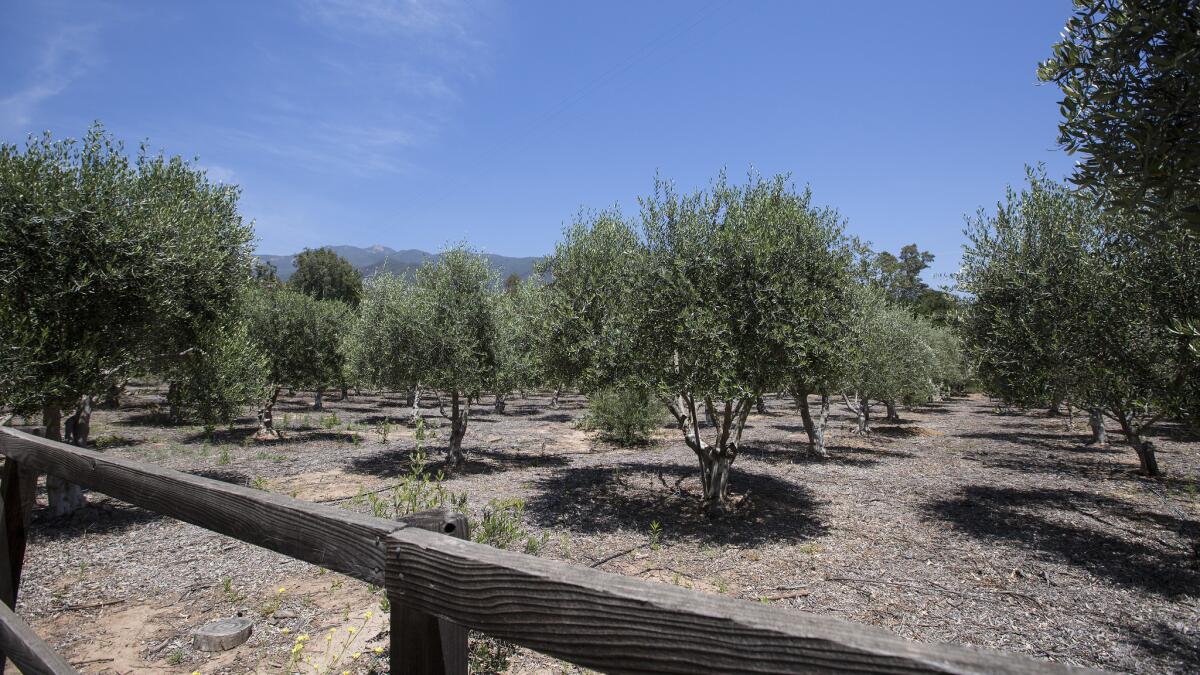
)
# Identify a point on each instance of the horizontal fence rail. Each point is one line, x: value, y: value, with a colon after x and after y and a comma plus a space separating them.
x: 439, y: 585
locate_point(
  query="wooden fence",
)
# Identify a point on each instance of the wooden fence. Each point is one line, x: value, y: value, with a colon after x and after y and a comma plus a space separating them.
x: 439, y: 585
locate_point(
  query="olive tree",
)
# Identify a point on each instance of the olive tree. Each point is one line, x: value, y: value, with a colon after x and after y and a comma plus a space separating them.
x: 384, y: 347
x: 518, y: 316
x: 301, y: 338
x: 950, y: 370
x: 109, y: 265
x: 702, y: 304
x: 814, y: 306
x: 221, y: 375
x: 439, y: 331
x: 1068, y: 301
x: 456, y: 296
x: 1136, y: 369
x: 589, y: 275
x: 889, y: 362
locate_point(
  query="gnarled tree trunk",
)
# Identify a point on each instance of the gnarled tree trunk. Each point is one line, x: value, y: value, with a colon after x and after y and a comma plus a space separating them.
x: 1096, y: 422
x: 78, y: 425
x: 460, y: 410
x: 414, y: 401
x: 813, y: 428
x: 266, y: 417
x: 892, y: 415
x: 319, y: 399
x: 1147, y: 460
x: 112, y: 397
x: 500, y: 403
x: 65, y: 498
x: 715, y: 458
x: 173, y: 411
x: 760, y: 406
x: 554, y: 398
x: 861, y: 409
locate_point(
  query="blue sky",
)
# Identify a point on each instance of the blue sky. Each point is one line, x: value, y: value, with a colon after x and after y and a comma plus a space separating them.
x: 416, y: 123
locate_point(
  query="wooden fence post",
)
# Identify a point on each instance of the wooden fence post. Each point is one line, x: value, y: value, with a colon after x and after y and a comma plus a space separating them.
x: 423, y: 644
x: 12, y: 536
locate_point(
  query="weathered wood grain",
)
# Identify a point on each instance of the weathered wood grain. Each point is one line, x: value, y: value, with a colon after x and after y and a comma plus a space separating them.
x: 620, y: 624
x: 340, y: 540
x: 15, y: 503
x: 421, y: 643
x: 604, y: 621
x: 23, y: 647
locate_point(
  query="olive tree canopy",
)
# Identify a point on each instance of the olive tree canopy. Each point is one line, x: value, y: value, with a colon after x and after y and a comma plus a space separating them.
x: 1070, y: 303
x: 721, y: 294
x: 301, y: 339
x: 109, y: 265
x: 1129, y: 71
x: 438, y: 331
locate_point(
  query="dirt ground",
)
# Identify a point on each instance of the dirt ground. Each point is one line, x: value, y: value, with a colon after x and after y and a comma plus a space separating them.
x: 961, y: 523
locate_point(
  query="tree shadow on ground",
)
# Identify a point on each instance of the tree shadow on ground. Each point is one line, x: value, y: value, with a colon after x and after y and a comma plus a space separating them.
x: 299, y: 435
x: 1180, y: 433
x: 1104, y: 536
x: 102, y: 515
x: 631, y: 495
x: 1060, y: 442
x: 1068, y: 465
x: 224, y: 475
x: 394, y: 462
x: 553, y: 417
x: 360, y: 408
x: 151, y: 418
x: 929, y: 409
x: 896, y: 429
x: 1167, y: 643
x: 228, y: 436
x: 797, y: 452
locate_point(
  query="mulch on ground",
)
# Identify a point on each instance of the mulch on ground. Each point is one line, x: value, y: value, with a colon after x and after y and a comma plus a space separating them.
x: 961, y: 522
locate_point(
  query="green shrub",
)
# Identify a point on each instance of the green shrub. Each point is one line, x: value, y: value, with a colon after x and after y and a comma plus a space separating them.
x: 625, y: 415
x: 502, y: 524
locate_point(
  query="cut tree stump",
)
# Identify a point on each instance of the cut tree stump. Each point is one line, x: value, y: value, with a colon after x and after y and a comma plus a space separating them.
x: 222, y: 634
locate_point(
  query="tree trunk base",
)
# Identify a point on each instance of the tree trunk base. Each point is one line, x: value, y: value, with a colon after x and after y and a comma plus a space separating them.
x: 65, y: 498
x: 267, y: 435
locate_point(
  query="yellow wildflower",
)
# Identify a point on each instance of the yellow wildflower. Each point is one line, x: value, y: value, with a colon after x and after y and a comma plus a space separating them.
x: 356, y: 654
x: 379, y: 650
x: 351, y: 629
x: 368, y: 615
x: 282, y: 589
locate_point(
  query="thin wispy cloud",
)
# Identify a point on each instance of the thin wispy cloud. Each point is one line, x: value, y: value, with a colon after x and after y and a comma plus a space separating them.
x: 68, y: 55
x: 413, y: 17
x: 392, y: 72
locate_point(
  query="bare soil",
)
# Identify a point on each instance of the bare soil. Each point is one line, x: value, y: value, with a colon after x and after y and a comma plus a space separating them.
x: 960, y: 523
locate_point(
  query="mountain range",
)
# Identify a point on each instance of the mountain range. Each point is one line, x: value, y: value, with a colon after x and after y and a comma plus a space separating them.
x: 372, y: 259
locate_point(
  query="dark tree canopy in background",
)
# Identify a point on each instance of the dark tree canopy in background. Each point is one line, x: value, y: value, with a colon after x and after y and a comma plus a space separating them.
x: 325, y: 275
x: 899, y: 277
x: 1130, y: 75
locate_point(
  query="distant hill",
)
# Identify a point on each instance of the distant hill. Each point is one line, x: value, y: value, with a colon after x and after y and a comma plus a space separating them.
x: 373, y: 259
